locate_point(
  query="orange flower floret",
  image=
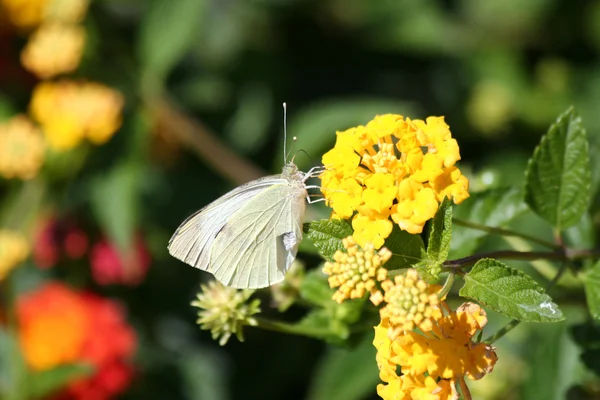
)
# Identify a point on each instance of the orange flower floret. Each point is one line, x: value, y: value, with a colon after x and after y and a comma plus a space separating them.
x: 399, y: 169
x: 355, y: 271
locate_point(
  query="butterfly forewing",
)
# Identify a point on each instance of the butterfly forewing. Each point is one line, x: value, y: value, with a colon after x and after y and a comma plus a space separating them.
x: 192, y: 241
x: 259, y: 242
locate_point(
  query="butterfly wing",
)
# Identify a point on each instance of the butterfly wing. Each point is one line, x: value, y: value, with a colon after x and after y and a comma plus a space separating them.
x: 192, y: 241
x: 259, y: 242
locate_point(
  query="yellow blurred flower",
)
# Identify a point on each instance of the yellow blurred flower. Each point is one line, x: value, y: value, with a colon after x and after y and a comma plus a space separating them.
x: 394, y: 168
x: 70, y: 111
x: 13, y: 250
x: 355, y: 271
x: 53, y: 49
x: 28, y: 14
x: 432, y: 363
x: 22, y: 148
x: 409, y: 302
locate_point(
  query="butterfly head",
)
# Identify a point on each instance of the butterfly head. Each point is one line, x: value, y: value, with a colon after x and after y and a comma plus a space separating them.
x: 291, y: 172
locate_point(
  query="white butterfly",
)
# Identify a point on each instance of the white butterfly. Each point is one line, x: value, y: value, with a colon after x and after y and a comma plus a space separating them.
x: 249, y: 237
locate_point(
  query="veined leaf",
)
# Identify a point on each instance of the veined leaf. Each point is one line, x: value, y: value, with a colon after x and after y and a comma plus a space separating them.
x: 591, y: 280
x: 327, y: 235
x: 438, y: 245
x: 557, y: 185
x: 510, y: 292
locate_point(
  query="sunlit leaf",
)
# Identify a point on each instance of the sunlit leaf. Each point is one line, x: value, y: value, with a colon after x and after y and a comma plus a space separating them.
x: 440, y: 234
x: 510, y: 292
x: 558, y: 176
x: 591, y: 279
x: 327, y: 235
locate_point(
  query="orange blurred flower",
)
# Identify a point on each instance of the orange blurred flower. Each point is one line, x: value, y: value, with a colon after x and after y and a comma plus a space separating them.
x: 54, y: 323
x: 70, y: 111
x: 41, y: 55
x: 58, y: 325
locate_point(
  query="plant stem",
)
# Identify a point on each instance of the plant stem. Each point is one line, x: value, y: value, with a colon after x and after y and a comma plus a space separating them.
x: 284, y: 327
x: 464, y: 388
x: 447, y: 285
x: 505, y: 232
x: 566, y: 255
x: 503, y: 331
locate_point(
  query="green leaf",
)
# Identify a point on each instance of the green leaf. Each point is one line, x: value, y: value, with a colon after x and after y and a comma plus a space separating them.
x: 44, y: 383
x: 438, y: 245
x: 510, y: 292
x: 115, y: 201
x: 13, y: 372
x: 327, y: 235
x: 167, y: 32
x: 346, y: 374
x: 201, y: 380
x: 315, y: 288
x: 495, y: 207
x: 557, y: 185
x: 319, y: 323
x: 407, y: 249
x: 591, y: 281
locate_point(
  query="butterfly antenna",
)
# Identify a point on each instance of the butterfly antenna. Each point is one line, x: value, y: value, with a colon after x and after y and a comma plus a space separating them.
x: 284, y: 132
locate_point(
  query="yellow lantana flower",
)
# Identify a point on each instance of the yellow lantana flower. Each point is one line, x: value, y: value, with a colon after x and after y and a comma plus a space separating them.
x: 442, y: 356
x: 404, y: 169
x: 355, y: 271
x: 71, y: 111
x: 53, y: 49
x: 13, y: 250
x: 22, y: 148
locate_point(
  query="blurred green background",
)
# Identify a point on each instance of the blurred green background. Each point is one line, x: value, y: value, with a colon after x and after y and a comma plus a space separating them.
x: 192, y: 71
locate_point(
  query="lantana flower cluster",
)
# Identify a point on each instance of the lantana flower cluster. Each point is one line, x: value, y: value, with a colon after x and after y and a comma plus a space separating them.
x: 392, y: 169
x: 429, y: 362
x: 58, y: 326
x: 22, y: 148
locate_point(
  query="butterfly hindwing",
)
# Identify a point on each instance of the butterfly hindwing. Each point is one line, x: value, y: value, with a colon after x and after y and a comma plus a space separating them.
x: 259, y: 242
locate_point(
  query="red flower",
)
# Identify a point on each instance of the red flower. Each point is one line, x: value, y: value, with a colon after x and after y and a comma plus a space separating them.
x: 58, y: 325
x: 110, y: 267
x: 57, y: 238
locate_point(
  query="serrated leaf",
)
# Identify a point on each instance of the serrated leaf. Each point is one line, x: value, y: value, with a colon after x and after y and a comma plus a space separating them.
x: 495, y: 207
x: 557, y: 183
x: 510, y: 292
x: 327, y: 235
x: 346, y: 374
x: 44, y: 383
x: 167, y: 32
x: 440, y: 234
x: 407, y: 249
x: 591, y: 281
